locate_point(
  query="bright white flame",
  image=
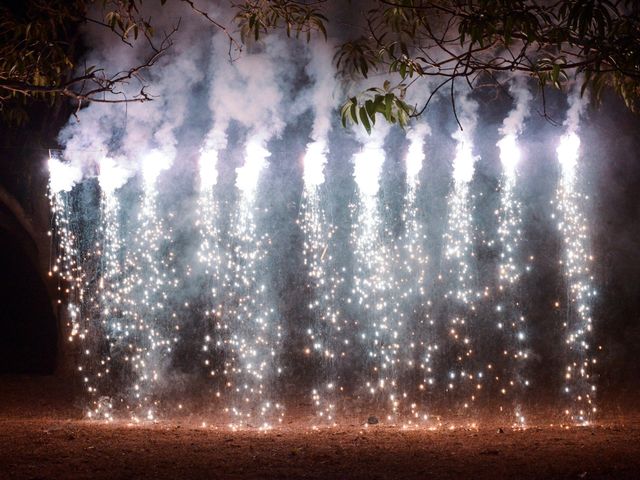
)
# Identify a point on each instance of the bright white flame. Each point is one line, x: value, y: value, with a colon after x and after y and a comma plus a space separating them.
x: 314, y: 161
x: 568, y: 155
x: 112, y: 176
x: 463, y: 164
x: 367, y: 169
x: 509, y: 154
x: 255, y: 160
x: 208, y: 168
x: 415, y: 157
x: 154, y: 163
x: 62, y: 176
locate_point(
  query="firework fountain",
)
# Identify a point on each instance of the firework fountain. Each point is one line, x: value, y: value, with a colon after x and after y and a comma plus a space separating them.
x: 325, y: 280
x: 576, y: 263
x: 375, y: 285
x: 459, y: 320
x: 168, y: 276
x: 510, y: 373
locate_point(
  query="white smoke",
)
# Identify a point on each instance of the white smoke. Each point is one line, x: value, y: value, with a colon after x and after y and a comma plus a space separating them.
x: 248, y: 91
x: 112, y: 175
x: 368, y: 163
x: 321, y: 98
x: 514, y: 122
x: 464, y: 162
x: 62, y: 176
x: 415, y: 155
x: 129, y: 131
x: 512, y: 126
x: 320, y: 69
x: 577, y: 105
x: 569, y: 147
x: 248, y: 174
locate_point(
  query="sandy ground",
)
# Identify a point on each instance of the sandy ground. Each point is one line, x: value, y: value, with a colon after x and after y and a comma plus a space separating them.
x: 42, y: 436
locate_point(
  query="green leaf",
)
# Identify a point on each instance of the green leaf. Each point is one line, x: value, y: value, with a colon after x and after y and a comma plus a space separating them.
x: 344, y: 112
x: 388, y: 101
x: 365, y: 119
x: 353, y: 109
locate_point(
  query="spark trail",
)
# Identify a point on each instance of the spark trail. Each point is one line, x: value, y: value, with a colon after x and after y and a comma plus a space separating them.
x: 81, y: 280
x: 412, y: 261
x: 506, y: 350
x: 379, y: 322
x: 255, y: 338
x: 109, y: 331
x: 326, y: 337
x: 576, y: 264
x: 508, y: 367
x: 463, y: 380
x: 211, y: 256
x: 148, y: 281
x: 67, y: 265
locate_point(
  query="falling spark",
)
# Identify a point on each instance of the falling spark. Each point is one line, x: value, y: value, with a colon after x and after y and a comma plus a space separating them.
x: 254, y: 336
x: 460, y: 279
x: 510, y: 320
x: 576, y: 263
x: 375, y: 284
x: 67, y: 265
x: 411, y: 262
x: 379, y: 332
x: 325, y: 279
x: 147, y: 283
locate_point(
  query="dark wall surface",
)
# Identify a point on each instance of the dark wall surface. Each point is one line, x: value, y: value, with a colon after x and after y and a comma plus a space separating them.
x: 27, y: 322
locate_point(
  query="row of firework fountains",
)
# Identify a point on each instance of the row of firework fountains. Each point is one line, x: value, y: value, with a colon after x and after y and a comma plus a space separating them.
x: 397, y: 355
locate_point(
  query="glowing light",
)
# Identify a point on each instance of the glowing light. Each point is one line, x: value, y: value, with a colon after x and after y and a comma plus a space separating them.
x: 464, y: 162
x: 325, y: 280
x: 368, y: 168
x: 376, y: 289
x: 459, y: 279
x: 112, y: 176
x: 255, y: 161
x: 314, y: 161
x: 509, y: 155
x: 410, y: 261
x: 415, y: 155
x: 249, y: 330
x: 568, y: 150
x: 383, y: 328
x: 153, y: 164
x: 208, y: 164
x: 62, y: 176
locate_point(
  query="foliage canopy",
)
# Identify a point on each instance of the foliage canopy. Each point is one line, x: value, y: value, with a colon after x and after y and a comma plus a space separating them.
x: 439, y: 43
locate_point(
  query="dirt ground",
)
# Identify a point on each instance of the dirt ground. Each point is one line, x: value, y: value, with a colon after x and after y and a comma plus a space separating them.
x: 42, y: 436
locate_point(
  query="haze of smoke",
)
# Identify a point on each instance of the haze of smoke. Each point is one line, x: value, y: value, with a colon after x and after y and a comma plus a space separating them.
x: 126, y: 132
x: 320, y: 69
x: 514, y: 122
x: 577, y: 105
x: 248, y: 90
x: 463, y: 165
x: 418, y: 132
x: 415, y: 156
